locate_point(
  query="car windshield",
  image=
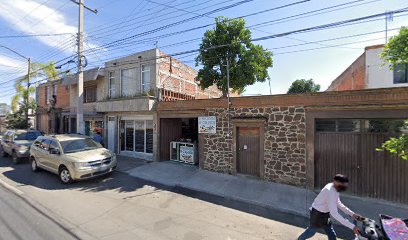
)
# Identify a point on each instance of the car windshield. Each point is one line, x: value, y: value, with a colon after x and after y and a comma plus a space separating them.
x: 27, y: 135
x: 79, y: 144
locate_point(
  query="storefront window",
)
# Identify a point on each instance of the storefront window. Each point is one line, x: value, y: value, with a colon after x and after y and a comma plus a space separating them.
x: 137, y: 135
x: 129, y: 135
x: 149, y: 136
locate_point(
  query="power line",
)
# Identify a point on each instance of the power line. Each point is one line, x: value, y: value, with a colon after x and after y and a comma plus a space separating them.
x: 36, y: 35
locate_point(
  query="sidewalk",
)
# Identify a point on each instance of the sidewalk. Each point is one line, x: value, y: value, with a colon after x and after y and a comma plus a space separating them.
x: 280, y: 197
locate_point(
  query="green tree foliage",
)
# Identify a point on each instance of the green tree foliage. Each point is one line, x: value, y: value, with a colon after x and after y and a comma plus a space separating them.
x: 4, y: 108
x: 303, y: 86
x: 248, y: 62
x: 47, y: 70
x: 17, y: 120
x: 397, y: 146
x: 396, y: 50
x: 395, y: 53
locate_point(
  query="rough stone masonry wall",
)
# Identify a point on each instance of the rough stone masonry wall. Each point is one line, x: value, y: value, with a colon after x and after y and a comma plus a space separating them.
x: 284, y: 145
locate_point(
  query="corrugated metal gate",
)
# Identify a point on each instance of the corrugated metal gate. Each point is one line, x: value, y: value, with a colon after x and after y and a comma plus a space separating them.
x: 248, y: 151
x: 372, y: 173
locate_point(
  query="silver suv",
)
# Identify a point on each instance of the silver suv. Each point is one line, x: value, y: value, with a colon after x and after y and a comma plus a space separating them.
x: 16, y: 143
x: 71, y: 156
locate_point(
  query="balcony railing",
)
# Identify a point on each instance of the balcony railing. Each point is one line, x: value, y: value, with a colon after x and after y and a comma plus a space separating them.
x: 168, y: 96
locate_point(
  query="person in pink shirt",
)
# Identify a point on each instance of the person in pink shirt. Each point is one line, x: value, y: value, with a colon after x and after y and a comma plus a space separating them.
x: 325, y: 206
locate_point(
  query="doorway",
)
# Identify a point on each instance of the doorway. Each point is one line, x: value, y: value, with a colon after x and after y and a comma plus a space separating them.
x: 248, y: 150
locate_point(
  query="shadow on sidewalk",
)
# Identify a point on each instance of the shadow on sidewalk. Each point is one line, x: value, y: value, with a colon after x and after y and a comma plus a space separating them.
x: 122, y: 182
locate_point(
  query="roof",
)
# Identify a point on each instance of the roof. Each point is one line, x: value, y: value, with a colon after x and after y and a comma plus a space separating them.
x: 89, y: 75
x: 374, y: 47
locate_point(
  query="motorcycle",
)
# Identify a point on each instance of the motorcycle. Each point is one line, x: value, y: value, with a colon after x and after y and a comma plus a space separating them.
x: 389, y: 229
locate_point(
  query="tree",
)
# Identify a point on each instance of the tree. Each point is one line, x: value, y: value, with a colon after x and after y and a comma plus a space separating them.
x: 18, y: 101
x: 231, y: 41
x: 396, y: 50
x: 17, y: 120
x: 396, y: 53
x: 4, y: 108
x: 303, y: 86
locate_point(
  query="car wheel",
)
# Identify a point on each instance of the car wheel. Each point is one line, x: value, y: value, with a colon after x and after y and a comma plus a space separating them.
x: 34, y: 166
x: 15, y: 158
x: 65, y: 175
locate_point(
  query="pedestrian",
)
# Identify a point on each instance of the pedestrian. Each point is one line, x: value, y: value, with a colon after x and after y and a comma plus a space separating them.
x: 97, y: 137
x: 326, y: 205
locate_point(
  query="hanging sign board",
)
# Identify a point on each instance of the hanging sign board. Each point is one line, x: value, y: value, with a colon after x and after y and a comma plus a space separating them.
x: 207, y: 124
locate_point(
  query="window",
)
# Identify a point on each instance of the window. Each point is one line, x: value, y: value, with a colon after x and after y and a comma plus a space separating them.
x: 340, y: 125
x: 90, y: 94
x: 145, y: 78
x: 47, y: 94
x: 136, y: 136
x: 79, y: 144
x: 111, y: 84
x: 128, y: 82
x: 400, y: 74
x: 53, y: 145
x: 54, y: 89
x: 45, y: 144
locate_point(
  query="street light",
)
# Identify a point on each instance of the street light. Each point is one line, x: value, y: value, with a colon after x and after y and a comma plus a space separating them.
x: 28, y: 77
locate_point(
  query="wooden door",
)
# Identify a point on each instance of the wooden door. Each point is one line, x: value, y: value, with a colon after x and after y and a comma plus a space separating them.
x: 248, y: 154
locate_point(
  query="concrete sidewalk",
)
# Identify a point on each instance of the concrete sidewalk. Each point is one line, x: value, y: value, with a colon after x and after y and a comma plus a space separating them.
x: 284, y: 198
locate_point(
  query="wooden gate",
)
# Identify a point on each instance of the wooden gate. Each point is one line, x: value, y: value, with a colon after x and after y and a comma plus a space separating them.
x: 372, y: 173
x: 248, y: 151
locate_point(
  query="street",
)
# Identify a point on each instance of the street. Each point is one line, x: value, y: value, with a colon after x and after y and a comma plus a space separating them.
x: 18, y: 220
x: 121, y: 207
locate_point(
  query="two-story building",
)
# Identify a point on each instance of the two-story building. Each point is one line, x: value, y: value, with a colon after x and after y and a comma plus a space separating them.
x: 52, y: 102
x: 120, y: 99
x: 369, y: 71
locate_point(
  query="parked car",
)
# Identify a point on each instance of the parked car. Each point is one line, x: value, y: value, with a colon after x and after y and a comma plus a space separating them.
x: 16, y: 143
x: 71, y: 156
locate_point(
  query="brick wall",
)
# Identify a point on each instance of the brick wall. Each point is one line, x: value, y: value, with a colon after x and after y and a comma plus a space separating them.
x: 62, y: 96
x: 353, y: 78
x: 176, y: 76
x: 284, y: 143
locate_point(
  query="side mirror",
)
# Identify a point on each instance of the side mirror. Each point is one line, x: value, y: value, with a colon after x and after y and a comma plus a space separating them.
x: 55, y: 151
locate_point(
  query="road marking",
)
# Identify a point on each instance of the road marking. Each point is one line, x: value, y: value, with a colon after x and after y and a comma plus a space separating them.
x: 11, y: 188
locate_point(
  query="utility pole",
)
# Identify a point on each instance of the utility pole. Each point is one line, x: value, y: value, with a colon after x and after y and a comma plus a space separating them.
x: 27, y: 100
x: 80, y: 103
x: 228, y: 96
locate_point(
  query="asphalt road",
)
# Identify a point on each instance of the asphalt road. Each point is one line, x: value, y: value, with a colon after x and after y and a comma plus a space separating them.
x: 19, y: 220
x: 119, y: 206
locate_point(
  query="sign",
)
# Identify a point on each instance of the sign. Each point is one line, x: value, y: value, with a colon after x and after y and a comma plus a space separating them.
x: 186, y: 153
x: 207, y: 124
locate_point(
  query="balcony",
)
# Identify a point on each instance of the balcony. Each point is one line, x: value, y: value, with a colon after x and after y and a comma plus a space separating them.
x: 142, y: 103
x: 168, y: 96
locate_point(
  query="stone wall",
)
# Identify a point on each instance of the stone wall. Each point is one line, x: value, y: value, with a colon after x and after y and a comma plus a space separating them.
x: 284, y: 143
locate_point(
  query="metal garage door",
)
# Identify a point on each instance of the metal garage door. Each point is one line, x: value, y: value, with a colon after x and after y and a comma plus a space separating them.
x: 349, y: 147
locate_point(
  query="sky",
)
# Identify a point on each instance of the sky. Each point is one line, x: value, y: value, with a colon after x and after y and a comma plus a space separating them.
x: 315, y: 54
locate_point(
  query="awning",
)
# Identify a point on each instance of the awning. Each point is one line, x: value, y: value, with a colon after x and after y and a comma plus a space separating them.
x: 89, y: 75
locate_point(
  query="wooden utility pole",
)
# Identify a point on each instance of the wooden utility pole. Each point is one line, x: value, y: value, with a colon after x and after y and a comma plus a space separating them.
x: 80, y: 103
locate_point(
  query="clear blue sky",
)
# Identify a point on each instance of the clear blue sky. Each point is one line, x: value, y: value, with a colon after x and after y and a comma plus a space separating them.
x: 118, y: 19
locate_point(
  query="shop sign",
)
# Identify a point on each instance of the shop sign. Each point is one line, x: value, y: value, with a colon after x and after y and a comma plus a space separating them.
x: 186, y: 153
x: 207, y: 124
